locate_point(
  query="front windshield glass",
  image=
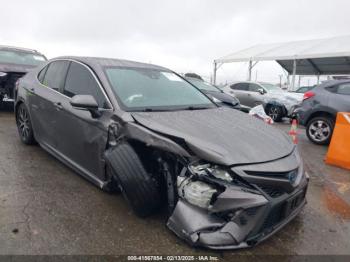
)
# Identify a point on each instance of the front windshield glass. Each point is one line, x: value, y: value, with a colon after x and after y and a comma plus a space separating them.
x: 202, y: 85
x: 270, y: 87
x: 20, y: 58
x: 141, y: 89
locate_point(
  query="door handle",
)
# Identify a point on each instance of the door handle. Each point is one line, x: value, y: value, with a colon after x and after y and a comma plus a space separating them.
x: 32, y: 89
x: 58, y: 106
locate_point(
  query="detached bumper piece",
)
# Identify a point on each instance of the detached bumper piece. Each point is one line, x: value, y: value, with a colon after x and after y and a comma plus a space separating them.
x: 237, y: 219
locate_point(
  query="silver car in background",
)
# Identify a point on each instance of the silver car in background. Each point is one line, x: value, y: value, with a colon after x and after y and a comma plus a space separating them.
x: 277, y: 103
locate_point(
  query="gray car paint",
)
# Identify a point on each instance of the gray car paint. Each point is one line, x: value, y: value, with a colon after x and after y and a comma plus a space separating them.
x: 223, y: 139
x: 324, y: 102
x: 221, y: 136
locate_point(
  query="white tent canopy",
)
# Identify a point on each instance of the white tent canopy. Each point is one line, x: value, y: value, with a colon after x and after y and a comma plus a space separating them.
x: 311, y: 57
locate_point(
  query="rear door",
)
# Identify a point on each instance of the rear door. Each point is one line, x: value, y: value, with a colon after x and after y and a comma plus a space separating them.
x: 241, y: 92
x: 44, y: 99
x: 83, y: 139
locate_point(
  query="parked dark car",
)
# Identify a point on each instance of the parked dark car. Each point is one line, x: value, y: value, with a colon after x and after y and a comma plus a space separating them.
x: 14, y: 63
x: 228, y: 180
x: 319, y: 109
x: 304, y: 89
x: 217, y: 94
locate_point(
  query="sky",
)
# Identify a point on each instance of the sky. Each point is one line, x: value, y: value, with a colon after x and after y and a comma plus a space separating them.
x: 183, y: 35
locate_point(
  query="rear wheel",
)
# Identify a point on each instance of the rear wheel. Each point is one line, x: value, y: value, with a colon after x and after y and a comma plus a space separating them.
x: 319, y: 130
x: 24, y: 125
x: 275, y: 112
x: 140, y: 189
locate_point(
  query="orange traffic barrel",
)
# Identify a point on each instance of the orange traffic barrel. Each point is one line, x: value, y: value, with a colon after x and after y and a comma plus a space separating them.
x: 339, y: 149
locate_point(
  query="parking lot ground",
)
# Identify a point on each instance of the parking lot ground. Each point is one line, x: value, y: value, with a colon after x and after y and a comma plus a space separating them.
x: 45, y: 208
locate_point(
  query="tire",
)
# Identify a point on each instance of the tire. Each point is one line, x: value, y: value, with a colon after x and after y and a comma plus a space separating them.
x: 319, y: 130
x: 275, y: 112
x: 24, y: 125
x: 139, y: 188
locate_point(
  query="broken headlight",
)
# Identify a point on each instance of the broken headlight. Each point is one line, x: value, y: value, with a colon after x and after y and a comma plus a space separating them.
x: 197, y: 192
x: 212, y: 170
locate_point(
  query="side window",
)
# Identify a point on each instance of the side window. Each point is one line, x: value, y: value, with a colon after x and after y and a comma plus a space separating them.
x: 254, y: 87
x: 41, y: 74
x: 55, y: 74
x: 80, y: 81
x: 240, y: 86
x: 343, y: 89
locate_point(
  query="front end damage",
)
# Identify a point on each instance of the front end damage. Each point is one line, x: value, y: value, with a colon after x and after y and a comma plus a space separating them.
x: 219, y: 206
x: 220, y: 209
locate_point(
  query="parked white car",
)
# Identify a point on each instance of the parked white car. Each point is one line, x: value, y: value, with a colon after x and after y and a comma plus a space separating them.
x: 277, y: 102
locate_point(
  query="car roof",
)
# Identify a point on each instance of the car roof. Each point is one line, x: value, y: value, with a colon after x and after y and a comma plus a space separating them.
x: 330, y: 83
x: 101, y: 62
x: 22, y: 49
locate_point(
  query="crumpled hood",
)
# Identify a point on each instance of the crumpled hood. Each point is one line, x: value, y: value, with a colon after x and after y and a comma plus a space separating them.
x: 15, y: 68
x: 222, y: 135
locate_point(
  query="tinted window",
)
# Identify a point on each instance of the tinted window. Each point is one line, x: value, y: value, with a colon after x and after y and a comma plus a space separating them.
x: 21, y: 57
x: 42, y: 74
x: 240, y: 86
x: 55, y: 75
x: 254, y: 87
x: 80, y: 81
x: 343, y: 89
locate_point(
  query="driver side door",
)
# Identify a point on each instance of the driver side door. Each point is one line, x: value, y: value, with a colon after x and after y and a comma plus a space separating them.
x: 255, y: 97
x: 82, y: 138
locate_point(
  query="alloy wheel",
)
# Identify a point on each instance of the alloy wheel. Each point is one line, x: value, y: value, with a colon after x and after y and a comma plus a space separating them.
x: 23, y: 123
x: 319, y: 131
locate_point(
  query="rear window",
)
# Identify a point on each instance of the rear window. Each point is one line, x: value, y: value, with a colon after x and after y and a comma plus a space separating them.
x: 343, y: 89
x: 21, y: 58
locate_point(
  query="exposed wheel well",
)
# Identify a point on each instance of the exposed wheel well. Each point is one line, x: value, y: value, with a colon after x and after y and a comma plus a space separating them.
x: 161, y: 165
x: 319, y: 114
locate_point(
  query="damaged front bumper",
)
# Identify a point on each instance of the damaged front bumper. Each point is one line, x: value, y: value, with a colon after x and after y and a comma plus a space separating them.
x: 239, y: 217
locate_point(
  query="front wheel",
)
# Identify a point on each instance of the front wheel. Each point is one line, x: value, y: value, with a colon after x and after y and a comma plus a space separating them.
x: 275, y: 112
x: 24, y: 125
x: 139, y: 188
x: 319, y: 130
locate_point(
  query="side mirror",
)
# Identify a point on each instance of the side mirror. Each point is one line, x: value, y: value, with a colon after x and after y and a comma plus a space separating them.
x: 261, y: 91
x: 86, y: 102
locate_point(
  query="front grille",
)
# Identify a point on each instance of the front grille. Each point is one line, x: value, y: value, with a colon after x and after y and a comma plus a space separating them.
x: 282, y: 211
x: 272, y: 191
x: 275, y: 216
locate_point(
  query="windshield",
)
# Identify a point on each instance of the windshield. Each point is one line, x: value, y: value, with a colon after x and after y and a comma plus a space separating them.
x: 270, y: 87
x: 20, y: 58
x: 141, y: 89
x: 202, y: 85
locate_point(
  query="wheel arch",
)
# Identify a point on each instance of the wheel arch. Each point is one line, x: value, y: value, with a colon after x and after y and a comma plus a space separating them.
x: 320, y: 114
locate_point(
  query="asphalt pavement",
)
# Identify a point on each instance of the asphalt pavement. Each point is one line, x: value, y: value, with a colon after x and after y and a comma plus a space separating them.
x: 45, y: 208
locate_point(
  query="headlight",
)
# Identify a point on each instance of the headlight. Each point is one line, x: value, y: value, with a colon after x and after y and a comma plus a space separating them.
x: 208, y: 169
x: 195, y: 192
x: 2, y: 74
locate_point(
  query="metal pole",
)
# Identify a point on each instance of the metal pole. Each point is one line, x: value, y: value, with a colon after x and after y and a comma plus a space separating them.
x: 250, y: 70
x: 294, y: 72
x: 214, y: 75
x: 318, y: 79
x: 299, y: 81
